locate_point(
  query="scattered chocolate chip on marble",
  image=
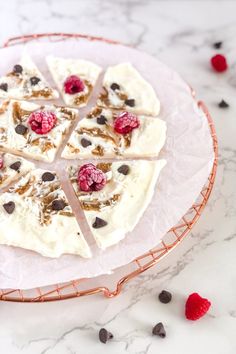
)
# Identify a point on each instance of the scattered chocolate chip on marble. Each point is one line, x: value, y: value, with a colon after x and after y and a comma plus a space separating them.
x: 34, y: 80
x: 21, y: 129
x: 85, y: 142
x: 159, y: 330
x: 9, y: 207
x: 4, y: 87
x: 130, y: 102
x: 98, y: 223
x: 165, y: 297
x: 101, y: 120
x: 15, y: 166
x: 124, y: 169
x: 217, y: 45
x: 17, y: 69
x: 48, y: 177
x: 104, y: 335
x: 58, y: 204
x: 115, y: 86
x: 223, y: 104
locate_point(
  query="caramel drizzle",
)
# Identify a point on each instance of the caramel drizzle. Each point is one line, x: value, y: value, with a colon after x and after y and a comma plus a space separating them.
x: 25, y: 187
x: 96, y: 205
x: 99, y: 151
x: 104, y: 100
x: 83, y: 97
x: 104, y: 166
x: 46, y: 93
x: 18, y: 113
x: 70, y: 115
x: 97, y: 133
x: 45, y: 145
x: 95, y: 112
x: 4, y: 107
x: 73, y: 149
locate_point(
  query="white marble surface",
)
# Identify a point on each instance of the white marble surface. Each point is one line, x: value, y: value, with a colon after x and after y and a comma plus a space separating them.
x: 181, y: 34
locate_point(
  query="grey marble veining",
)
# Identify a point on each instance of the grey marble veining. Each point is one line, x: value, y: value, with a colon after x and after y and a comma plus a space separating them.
x: 180, y: 33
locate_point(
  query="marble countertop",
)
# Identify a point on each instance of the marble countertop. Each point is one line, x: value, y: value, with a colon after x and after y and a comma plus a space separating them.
x: 181, y: 34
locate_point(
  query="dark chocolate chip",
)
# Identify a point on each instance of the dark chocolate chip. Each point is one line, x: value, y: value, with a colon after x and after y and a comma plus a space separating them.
x: 159, y: 330
x: 48, y: 177
x: 223, y: 104
x: 58, y: 204
x: 17, y: 69
x: 99, y: 223
x: 9, y: 207
x: 34, y: 80
x: 16, y: 166
x: 217, y: 45
x: 115, y: 86
x: 85, y: 142
x: 101, y: 120
x: 21, y: 129
x: 4, y: 87
x: 130, y: 102
x: 165, y: 297
x: 124, y: 169
x: 104, y: 335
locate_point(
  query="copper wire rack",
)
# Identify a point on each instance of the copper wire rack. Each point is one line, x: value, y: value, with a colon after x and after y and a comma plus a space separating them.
x: 123, y: 275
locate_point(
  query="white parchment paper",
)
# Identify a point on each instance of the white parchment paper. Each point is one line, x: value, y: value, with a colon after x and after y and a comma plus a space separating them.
x: 188, y: 151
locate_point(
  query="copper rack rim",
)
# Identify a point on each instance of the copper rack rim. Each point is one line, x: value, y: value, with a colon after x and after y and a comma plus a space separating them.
x: 179, y: 232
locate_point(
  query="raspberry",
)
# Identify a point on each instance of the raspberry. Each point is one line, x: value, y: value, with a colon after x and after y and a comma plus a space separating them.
x: 42, y: 122
x: 1, y: 163
x: 196, y: 307
x: 125, y: 123
x: 219, y: 63
x: 73, y: 84
x: 91, y: 178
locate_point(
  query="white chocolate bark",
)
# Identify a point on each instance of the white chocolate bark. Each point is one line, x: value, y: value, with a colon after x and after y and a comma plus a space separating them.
x: 61, y: 69
x: 34, y: 225
x: 145, y: 141
x: 132, y: 86
x: 123, y: 200
x: 20, y: 86
x: 36, y: 146
x: 10, y: 171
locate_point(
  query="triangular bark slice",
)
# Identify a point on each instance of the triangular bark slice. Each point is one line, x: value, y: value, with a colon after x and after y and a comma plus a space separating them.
x: 117, y: 208
x: 35, y: 215
x: 25, y: 81
x: 12, y: 167
x: 16, y: 134
x: 61, y: 69
x: 95, y: 136
x: 124, y: 88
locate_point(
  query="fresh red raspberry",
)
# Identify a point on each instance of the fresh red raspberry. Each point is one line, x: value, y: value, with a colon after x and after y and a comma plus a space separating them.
x: 91, y: 178
x: 219, y: 63
x: 196, y: 307
x: 42, y: 122
x: 1, y: 163
x: 126, y: 122
x: 73, y: 84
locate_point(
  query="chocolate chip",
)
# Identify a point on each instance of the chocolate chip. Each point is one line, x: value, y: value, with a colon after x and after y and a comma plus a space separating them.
x: 85, y: 142
x: 21, y: 129
x: 9, y: 207
x: 4, y: 87
x: 99, y: 223
x: 48, y: 177
x: 223, y: 104
x: 165, y: 297
x: 101, y: 120
x: 124, y: 169
x: 16, y: 166
x: 104, y: 335
x: 217, y: 45
x: 17, y: 69
x: 130, y: 102
x: 34, y: 80
x: 159, y: 330
x: 58, y: 204
x: 115, y: 86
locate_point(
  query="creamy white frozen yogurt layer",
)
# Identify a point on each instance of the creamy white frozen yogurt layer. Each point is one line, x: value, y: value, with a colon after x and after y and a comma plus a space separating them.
x: 125, y: 88
x: 94, y: 136
x: 122, y: 202
x: 87, y: 71
x: 25, y: 81
x: 15, y: 114
x: 35, y: 215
